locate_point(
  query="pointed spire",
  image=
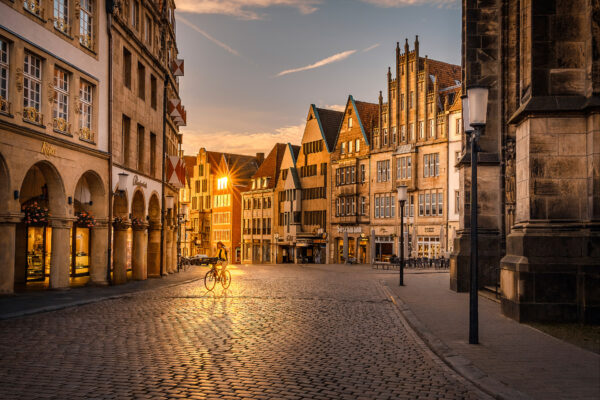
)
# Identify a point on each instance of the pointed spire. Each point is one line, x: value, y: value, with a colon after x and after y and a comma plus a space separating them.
x: 417, y: 45
x: 389, y: 73
x: 380, y: 97
x: 406, y: 48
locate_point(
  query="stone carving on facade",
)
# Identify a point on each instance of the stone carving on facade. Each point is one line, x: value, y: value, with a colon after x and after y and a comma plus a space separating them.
x: 510, y: 173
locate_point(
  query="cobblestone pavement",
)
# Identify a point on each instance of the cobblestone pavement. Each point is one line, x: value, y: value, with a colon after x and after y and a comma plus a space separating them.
x: 318, y: 332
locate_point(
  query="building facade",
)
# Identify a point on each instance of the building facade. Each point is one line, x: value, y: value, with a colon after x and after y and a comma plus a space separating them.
x: 349, y: 230
x: 539, y: 202
x: 257, y: 210
x: 54, y: 145
x: 288, y: 207
x: 313, y: 167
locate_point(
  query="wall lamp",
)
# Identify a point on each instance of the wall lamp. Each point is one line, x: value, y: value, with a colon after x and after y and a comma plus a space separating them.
x: 16, y: 194
x: 169, y: 202
x: 122, y: 184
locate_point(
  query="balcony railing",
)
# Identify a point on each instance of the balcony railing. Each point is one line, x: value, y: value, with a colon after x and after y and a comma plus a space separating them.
x: 61, y: 125
x: 31, y: 114
x: 5, y: 106
x: 86, y: 134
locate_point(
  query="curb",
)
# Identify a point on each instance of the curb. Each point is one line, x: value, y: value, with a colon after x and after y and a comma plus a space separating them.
x: 459, y: 364
x: 83, y: 302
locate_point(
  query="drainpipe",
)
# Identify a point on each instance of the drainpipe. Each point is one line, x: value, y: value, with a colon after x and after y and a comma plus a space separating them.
x: 109, y: 10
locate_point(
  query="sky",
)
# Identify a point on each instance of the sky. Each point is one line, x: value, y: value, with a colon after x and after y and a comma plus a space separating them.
x: 253, y: 67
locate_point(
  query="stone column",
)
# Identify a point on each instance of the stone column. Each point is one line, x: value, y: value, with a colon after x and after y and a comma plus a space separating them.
x: 153, y: 253
x: 120, y: 254
x: 7, y: 253
x: 174, y: 251
x: 168, y: 250
x: 139, y: 253
x: 61, y: 254
x: 99, y: 253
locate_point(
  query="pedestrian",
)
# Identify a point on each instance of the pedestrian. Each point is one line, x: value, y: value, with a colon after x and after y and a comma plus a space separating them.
x: 222, y: 257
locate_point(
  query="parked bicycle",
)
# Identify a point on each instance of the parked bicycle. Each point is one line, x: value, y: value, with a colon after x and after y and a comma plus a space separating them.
x: 215, y: 275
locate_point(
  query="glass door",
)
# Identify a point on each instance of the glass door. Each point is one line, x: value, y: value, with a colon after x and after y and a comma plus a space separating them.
x: 39, y: 244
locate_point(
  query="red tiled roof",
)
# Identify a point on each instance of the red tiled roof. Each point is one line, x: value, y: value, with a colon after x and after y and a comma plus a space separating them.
x: 270, y: 167
x: 369, y: 115
x: 446, y: 75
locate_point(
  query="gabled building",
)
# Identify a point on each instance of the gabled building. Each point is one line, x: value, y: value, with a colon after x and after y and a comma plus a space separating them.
x: 410, y: 147
x: 313, y: 165
x: 232, y: 175
x: 258, y: 200
x: 288, y: 207
x: 349, y: 227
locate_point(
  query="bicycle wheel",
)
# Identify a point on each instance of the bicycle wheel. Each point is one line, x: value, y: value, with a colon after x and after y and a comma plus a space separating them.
x: 210, y: 280
x: 226, y: 279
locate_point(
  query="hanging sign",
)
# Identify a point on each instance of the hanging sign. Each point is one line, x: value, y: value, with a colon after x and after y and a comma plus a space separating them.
x: 175, y: 171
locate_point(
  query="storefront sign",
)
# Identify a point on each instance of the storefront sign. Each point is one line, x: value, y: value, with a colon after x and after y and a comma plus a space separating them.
x: 48, y: 149
x: 429, y: 229
x: 349, y: 229
x: 405, y: 148
x: 138, y: 182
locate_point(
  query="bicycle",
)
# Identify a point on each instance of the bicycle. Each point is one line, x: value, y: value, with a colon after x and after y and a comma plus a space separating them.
x: 214, y: 275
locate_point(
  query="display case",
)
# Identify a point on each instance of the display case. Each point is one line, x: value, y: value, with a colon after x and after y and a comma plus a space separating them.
x: 38, y: 253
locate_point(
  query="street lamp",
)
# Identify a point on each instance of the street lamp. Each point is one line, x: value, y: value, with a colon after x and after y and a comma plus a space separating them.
x: 474, y: 117
x: 169, y: 202
x: 402, y: 197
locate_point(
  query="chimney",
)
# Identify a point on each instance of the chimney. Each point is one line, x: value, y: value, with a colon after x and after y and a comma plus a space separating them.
x: 260, y: 157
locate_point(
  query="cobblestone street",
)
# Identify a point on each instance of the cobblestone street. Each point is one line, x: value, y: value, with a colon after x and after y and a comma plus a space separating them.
x: 318, y: 332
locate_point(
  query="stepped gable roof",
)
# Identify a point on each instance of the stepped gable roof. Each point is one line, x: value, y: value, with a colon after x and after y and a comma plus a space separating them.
x: 329, y: 122
x: 270, y: 167
x: 447, y: 75
x: 190, y: 163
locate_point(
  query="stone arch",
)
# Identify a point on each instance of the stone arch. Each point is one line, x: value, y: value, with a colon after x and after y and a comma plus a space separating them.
x: 90, y: 194
x: 43, y: 182
x: 138, y: 205
x: 154, y: 207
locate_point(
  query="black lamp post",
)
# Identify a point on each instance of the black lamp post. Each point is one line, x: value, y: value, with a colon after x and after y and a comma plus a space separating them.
x: 402, y: 196
x: 474, y: 108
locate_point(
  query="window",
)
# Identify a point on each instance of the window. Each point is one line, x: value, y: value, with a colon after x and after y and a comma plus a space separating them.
x: 32, y: 87
x: 141, y: 76
x: 349, y: 122
x: 86, y: 110
x: 140, y: 148
x: 350, y: 147
x: 147, y: 30
x: 394, y: 135
x: 153, y: 154
x: 363, y: 205
x: 421, y: 205
x: 60, y: 111
x: 412, y: 205
x: 357, y: 145
x: 427, y: 204
x: 61, y: 15
x: 323, y: 169
x: 125, y: 135
x: 440, y: 203
x: 135, y: 9
x: 459, y: 126
x: 437, y: 164
x: 127, y: 67
x: 426, y: 166
x: 403, y: 133
x: 86, y: 14
x: 421, y: 130
x: 4, y: 63
x: 363, y: 177
x: 343, y: 147
x: 153, y: 92
x: 433, y: 203
x: 222, y: 183
x: 431, y: 128
x: 33, y: 6
x: 376, y: 206
x: 457, y: 201
x: 385, y: 136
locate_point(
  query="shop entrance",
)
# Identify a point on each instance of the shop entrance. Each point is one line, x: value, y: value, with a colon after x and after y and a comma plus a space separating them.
x: 39, y: 245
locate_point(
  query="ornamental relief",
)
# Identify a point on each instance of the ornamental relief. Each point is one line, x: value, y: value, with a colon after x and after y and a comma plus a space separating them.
x: 510, y: 187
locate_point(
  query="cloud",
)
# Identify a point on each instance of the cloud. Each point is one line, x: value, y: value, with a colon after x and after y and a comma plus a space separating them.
x: 371, y: 47
x: 241, y: 142
x: 243, y: 9
x: 404, y: 3
x: 334, y: 58
x: 335, y: 107
x: 206, y: 35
